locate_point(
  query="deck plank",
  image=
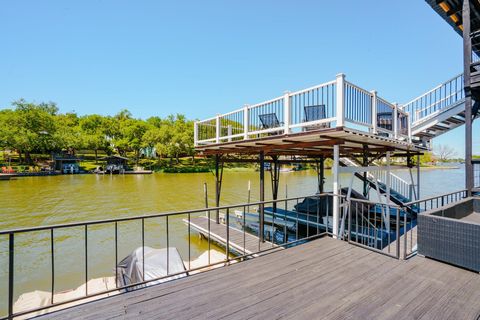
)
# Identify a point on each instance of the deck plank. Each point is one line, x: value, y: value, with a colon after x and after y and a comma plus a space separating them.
x: 324, y: 278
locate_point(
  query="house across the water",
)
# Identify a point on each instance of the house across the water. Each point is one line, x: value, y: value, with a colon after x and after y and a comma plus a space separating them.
x: 67, y: 164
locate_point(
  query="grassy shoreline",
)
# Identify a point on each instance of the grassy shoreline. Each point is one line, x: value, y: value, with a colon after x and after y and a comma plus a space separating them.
x: 163, y: 165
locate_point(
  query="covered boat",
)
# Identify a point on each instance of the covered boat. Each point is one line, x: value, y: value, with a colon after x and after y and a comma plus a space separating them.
x: 159, y: 263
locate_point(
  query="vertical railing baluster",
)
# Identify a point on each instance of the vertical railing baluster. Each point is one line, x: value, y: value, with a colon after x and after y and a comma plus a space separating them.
x: 274, y: 205
x: 308, y: 217
x: 244, y: 228
x: 356, y: 221
x: 296, y: 231
x: 168, y: 249
x: 143, y: 249
x: 405, y: 234
x: 52, y: 249
x: 86, y: 260
x: 227, y: 253
x: 116, y: 254
x: 11, y: 278
x: 398, y: 233
x: 189, y: 243
x: 318, y: 214
x: 349, y: 220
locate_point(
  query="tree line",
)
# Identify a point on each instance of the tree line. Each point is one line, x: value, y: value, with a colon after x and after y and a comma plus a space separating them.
x: 28, y: 128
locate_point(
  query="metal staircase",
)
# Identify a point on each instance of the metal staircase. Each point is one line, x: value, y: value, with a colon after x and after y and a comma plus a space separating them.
x: 400, y: 191
x: 438, y: 110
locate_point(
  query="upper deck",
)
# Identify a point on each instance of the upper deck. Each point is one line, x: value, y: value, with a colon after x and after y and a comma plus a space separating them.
x: 336, y: 109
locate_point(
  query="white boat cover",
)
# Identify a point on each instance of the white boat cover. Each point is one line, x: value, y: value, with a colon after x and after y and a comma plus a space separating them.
x: 130, y: 269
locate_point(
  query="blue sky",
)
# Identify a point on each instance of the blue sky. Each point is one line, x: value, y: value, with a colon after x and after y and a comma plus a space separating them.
x: 206, y: 57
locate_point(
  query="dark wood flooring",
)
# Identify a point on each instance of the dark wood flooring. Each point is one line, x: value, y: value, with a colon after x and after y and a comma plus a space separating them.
x: 322, y: 279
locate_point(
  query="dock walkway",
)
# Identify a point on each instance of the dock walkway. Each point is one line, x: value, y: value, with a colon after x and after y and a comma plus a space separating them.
x: 322, y: 279
x: 239, y: 241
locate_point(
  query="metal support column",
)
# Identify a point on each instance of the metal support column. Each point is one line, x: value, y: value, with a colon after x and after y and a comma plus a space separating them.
x: 418, y: 176
x: 262, y: 196
x: 467, y: 60
x: 365, y: 174
x: 336, y: 190
x: 275, y: 177
x: 218, y: 184
x: 321, y: 174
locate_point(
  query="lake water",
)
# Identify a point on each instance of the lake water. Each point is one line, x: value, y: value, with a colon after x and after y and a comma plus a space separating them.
x: 36, y: 201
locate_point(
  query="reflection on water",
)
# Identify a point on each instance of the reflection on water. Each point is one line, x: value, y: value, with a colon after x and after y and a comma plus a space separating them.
x: 36, y: 201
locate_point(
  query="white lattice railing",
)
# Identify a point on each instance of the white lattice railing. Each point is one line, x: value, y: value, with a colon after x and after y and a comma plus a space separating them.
x: 336, y: 103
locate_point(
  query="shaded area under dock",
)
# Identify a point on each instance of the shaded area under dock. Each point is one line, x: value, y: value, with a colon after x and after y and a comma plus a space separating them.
x: 324, y: 278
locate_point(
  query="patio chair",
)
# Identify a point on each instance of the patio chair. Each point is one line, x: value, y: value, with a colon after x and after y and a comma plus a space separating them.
x: 384, y: 121
x: 314, y: 113
x: 269, y: 121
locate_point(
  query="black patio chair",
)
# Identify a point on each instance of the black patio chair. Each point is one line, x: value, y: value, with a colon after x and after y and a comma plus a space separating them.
x: 314, y: 113
x: 270, y: 121
x: 384, y: 121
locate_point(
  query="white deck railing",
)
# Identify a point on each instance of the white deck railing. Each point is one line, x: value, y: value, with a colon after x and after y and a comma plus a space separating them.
x: 443, y: 96
x: 336, y: 103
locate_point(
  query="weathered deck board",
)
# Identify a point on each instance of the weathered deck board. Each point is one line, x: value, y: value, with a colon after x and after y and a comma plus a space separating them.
x: 325, y: 278
x: 238, y: 241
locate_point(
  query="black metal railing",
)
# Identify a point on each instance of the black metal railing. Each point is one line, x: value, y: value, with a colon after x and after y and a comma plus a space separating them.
x: 286, y: 222
x: 283, y: 227
x: 374, y: 226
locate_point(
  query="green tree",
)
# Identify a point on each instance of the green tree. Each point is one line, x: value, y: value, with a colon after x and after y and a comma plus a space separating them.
x: 35, y: 127
x: 68, y: 135
x: 95, y: 131
x: 131, y: 132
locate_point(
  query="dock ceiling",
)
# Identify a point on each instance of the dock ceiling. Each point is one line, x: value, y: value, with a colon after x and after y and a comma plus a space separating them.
x: 451, y: 12
x: 315, y: 143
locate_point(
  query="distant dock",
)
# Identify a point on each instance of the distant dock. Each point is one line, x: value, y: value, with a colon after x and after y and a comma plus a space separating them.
x: 239, y: 242
x: 7, y: 176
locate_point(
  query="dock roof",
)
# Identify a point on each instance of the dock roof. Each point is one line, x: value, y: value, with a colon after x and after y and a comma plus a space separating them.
x: 313, y: 143
x: 451, y: 12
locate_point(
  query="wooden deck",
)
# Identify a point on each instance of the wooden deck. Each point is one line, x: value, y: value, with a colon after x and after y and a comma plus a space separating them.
x: 240, y: 242
x: 322, y: 279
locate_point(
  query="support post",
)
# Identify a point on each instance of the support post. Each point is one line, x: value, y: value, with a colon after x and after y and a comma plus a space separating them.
x: 388, y: 177
x: 245, y: 122
x: 409, y: 126
x: 275, y: 177
x: 195, y: 133
x: 218, y: 185
x: 286, y: 106
x: 365, y: 174
x: 340, y: 108
x: 418, y: 177
x: 336, y: 190
x: 467, y: 60
x: 262, y: 196
x: 217, y: 128
x: 229, y: 132
x: 321, y: 173
x: 395, y: 121
x: 374, y: 111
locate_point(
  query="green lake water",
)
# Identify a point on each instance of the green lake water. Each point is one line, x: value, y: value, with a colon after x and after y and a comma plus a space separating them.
x: 37, y: 201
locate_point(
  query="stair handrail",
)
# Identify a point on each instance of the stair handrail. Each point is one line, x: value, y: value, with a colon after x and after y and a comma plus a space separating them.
x: 394, y: 179
x: 432, y: 90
